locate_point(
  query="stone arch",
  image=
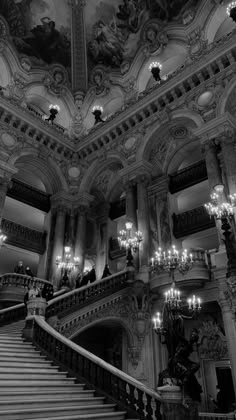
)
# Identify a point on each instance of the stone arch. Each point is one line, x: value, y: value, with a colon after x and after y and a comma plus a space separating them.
x: 225, y: 97
x: 98, y: 167
x: 178, y: 156
x: 218, y: 24
x: 132, y: 340
x: 42, y: 166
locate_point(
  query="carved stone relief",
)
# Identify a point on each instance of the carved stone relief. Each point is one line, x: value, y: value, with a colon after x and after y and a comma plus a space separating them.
x: 212, y: 341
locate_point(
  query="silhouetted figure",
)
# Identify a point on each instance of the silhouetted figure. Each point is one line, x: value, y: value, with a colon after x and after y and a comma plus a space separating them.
x: 221, y: 401
x: 47, y: 292
x: 85, y: 278
x: 92, y: 275
x: 28, y: 271
x: 78, y: 281
x: 19, y: 268
x: 65, y: 281
x: 106, y: 271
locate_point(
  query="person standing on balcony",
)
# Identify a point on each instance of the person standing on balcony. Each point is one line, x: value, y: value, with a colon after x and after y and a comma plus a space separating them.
x: 19, y: 268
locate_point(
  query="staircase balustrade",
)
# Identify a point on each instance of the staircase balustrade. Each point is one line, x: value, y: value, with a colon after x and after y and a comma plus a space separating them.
x: 128, y: 393
x: 88, y: 294
x: 23, y: 281
x: 11, y: 314
x: 217, y: 416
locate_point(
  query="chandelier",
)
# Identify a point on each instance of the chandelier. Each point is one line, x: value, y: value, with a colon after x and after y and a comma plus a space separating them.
x: 231, y: 10
x: 219, y: 208
x: 171, y: 260
x: 2, y: 238
x: 129, y: 242
x: 67, y: 264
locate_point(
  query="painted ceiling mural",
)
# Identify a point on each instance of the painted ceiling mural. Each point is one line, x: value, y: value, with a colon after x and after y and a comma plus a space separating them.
x: 40, y: 29
x: 114, y: 27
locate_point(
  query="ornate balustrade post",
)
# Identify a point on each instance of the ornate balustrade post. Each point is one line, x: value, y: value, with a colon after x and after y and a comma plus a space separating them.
x: 82, y: 206
x: 6, y: 173
x: 102, y: 238
x: 172, y: 404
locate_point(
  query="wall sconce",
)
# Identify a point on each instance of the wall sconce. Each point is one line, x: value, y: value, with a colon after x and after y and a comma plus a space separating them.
x: 155, y: 69
x: 53, y: 109
x: 97, y: 112
x: 231, y: 10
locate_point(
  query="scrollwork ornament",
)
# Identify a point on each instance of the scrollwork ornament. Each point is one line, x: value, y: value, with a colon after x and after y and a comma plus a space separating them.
x: 154, y: 38
x: 4, y: 30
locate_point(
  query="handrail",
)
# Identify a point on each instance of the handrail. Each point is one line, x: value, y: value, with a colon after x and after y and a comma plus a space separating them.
x: 88, y: 294
x: 67, y: 302
x: 134, y: 396
x: 217, y: 416
x: 22, y: 280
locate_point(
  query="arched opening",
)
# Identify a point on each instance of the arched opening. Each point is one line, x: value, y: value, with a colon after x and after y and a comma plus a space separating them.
x: 107, y: 340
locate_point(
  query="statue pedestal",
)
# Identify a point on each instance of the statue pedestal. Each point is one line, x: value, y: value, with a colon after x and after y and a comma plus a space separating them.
x: 172, y: 404
x: 35, y: 306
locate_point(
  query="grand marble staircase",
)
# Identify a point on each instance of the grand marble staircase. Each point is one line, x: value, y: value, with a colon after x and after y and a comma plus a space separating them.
x: 32, y: 388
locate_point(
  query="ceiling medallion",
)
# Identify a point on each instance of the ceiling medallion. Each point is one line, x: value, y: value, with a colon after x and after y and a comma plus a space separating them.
x: 74, y: 172
x: 179, y: 132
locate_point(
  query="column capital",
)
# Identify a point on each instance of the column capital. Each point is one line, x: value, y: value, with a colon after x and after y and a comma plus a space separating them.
x: 60, y: 202
x: 82, y: 199
x: 161, y: 186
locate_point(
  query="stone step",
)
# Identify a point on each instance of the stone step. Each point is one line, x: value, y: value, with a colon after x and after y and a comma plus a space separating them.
x: 24, y: 376
x: 35, y: 386
x: 21, y: 355
x: 56, y: 403
x: 23, y: 414
x: 34, y: 381
x: 10, y: 339
x: 26, y: 363
x: 51, y: 370
x: 15, y: 352
x: 15, y: 345
x: 57, y: 394
x: 117, y: 415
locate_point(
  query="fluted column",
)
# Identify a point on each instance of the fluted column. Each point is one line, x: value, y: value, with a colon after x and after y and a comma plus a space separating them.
x: 58, y: 243
x: 143, y: 219
x: 228, y: 159
x: 102, y: 238
x: 212, y: 164
x: 6, y: 174
x: 230, y: 331
x: 80, y: 237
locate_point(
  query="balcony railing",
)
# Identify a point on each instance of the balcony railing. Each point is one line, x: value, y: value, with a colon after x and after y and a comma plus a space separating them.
x: 24, y: 237
x: 88, y: 294
x: 129, y: 394
x: 29, y: 195
x: 187, y: 177
x: 191, y: 221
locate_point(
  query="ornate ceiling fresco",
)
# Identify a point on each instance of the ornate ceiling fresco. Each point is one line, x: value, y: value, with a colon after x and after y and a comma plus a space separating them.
x: 40, y: 29
x: 116, y: 29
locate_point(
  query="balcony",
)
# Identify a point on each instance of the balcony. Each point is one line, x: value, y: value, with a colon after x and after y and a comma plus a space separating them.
x: 29, y: 195
x: 187, y: 177
x: 191, y: 221
x: 24, y: 237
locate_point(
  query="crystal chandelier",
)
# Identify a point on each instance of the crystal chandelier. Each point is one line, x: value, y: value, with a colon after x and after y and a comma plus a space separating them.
x: 219, y: 208
x: 231, y: 10
x: 2, y: 238
x: 172, y: 260
x: 128, y: 242
x: 67, y: 265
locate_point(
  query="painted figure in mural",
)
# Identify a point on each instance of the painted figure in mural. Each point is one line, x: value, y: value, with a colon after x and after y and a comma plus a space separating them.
x: 130, y: 13
x: 107, y: 45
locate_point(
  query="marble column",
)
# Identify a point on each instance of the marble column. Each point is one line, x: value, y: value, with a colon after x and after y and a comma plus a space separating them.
x: 230, y: 331
x: 80, y: 237
x: 131, y: 213
x: 143, y: 221
x: 4, y: 184
x: 228, y: 159
x: 212, y: 164
x: 102, y: 238
x: 58, y: 243
x: 163, y: 214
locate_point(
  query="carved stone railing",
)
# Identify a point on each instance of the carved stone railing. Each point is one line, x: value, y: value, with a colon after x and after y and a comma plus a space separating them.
x: 115, y: 251
x: 128, y: 393
x: 216, y: 416
x: 13, y: 286
x: 191, y: 221
x: 29, y: 195
x: 188, y: 176
x: 88, y: 294
x: 12, y: 314
x: 24, y: 237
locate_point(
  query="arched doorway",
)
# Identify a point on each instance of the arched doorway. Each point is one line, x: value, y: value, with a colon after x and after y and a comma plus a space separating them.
x: 107, y: 340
